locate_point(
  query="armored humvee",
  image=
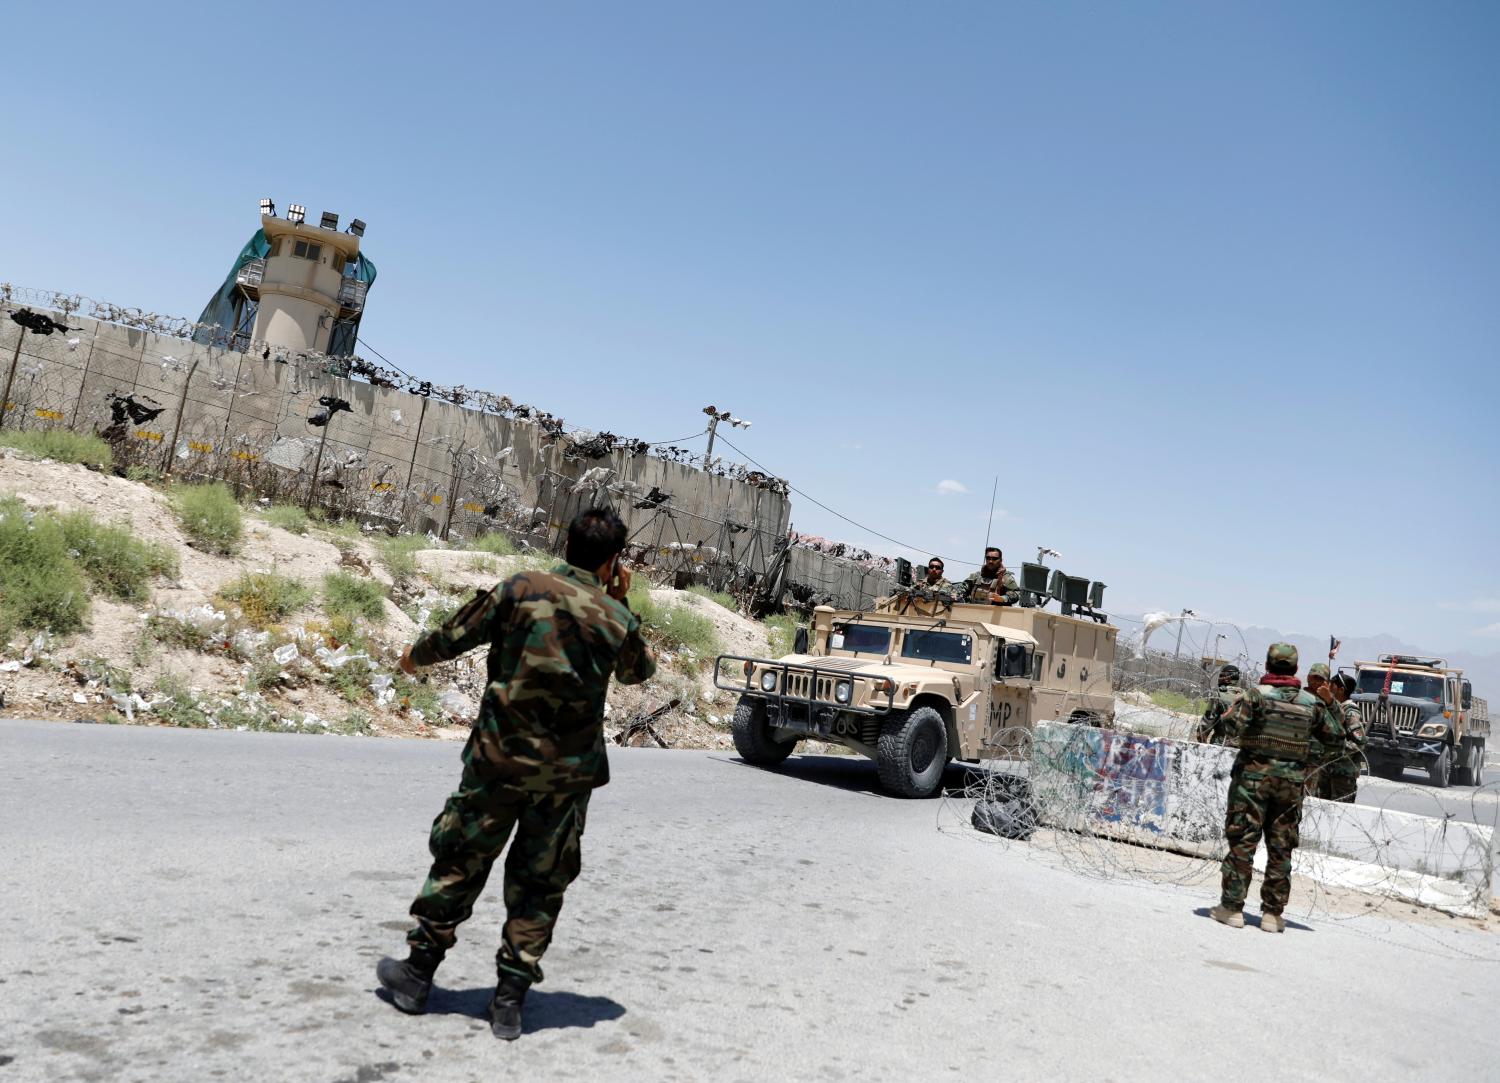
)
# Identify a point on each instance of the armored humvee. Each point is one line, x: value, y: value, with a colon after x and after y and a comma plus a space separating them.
x: 1420, y: 712
x: 923, y: 678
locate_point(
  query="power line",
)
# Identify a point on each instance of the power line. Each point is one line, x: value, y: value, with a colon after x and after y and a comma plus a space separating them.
x: 851, y: 522
x: 384, y: 358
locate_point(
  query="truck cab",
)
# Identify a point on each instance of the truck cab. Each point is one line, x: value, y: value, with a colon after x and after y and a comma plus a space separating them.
x: 1420, y: 712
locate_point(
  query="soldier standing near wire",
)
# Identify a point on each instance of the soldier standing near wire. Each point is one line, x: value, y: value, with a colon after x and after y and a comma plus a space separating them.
x: 1320, y: 778
x: 1211, y: 729
x: 1280, y: 729
x: 533, y: 758
x: 1344, y: 771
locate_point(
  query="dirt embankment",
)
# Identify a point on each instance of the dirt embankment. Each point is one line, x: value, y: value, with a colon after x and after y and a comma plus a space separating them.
x: 187, y: 655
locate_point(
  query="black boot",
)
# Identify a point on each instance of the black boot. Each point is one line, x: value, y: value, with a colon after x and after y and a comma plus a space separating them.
x: 505, y: 1008
x: 409, y: 980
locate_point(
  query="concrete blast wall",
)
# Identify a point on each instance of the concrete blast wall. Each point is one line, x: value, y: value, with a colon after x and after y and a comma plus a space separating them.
x: 168, y: 402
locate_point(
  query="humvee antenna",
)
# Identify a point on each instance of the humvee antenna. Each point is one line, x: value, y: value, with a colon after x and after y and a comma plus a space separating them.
x: 990, y: 522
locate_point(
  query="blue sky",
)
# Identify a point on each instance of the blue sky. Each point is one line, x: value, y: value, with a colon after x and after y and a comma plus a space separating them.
x: 1212, y: 288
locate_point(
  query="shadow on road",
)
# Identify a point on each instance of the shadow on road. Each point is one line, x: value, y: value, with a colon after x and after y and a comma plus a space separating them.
x: 544, y: 1010
x: 1254, y: 920
x: 852, y: 773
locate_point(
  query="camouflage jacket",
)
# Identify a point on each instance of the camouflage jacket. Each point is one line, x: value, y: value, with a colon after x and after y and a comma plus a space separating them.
x: 942, y: 586
x: 1006, y: 584
x: 1246, y: 723
x: 555, y: 637
x: 1354, y: 728
x: 1211, y: 730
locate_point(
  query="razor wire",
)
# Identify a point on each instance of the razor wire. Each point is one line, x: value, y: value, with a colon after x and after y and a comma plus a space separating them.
x: 210, y: 413
x: 1135, y: 797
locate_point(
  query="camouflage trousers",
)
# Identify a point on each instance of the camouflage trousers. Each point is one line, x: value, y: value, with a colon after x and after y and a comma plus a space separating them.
x: 467, y: 837
x: 1336, y: 780
x: 1261, y: 803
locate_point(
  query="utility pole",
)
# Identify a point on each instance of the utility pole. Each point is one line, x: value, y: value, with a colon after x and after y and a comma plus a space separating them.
x: 715, y: 416
x: 1181, y: 620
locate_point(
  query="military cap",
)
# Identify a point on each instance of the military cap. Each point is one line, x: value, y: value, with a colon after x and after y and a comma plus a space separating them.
x: 1318, y: 669
x: 1281, y: 658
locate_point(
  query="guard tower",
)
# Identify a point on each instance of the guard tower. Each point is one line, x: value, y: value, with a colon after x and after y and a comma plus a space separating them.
x: 295, y: 286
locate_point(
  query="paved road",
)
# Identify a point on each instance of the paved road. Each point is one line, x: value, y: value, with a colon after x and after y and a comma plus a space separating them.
x: 199, y: 906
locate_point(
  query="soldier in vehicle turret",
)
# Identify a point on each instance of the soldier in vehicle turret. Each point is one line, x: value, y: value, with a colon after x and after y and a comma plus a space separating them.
x: 991, y: 583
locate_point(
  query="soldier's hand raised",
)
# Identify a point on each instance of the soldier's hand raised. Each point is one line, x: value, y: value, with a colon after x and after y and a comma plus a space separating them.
x: 619, y: 583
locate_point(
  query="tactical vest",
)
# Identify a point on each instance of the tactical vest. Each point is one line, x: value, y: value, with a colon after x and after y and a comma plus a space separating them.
x: 1282, y: 729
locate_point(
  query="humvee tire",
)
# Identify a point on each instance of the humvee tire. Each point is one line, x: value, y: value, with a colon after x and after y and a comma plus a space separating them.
x: 753, y: 738
x: 912, y: 752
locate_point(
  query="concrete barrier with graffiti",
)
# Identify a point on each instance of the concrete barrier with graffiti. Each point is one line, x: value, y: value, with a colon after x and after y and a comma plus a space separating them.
x: 1171, y: 795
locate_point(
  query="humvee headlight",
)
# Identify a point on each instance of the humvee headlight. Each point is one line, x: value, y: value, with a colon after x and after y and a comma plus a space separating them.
x: 843, y: 692
x: 768, y: 681
x: 1433, y: 729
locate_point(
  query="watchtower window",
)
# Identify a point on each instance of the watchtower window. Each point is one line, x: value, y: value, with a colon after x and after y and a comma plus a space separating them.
x: 303, y: 250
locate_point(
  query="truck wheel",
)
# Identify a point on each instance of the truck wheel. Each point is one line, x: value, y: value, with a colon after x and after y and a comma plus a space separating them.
x: 1440, y: 771
x: 1463, y: 764
x: 912, y: 752
x: 753, y: 737
x: 1478, y: 776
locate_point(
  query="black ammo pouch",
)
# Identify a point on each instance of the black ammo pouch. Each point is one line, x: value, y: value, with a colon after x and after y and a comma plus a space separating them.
x: 1281, y: 730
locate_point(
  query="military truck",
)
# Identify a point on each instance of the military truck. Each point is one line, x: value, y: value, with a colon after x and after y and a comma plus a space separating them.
x: 1420, y: 712
x: 923, y: 678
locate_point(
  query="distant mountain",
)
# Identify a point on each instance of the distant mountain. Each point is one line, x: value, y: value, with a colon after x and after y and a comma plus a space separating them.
x: 1482, y: 669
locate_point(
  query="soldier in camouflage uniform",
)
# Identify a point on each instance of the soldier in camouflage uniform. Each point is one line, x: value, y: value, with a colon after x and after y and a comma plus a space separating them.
x: 1211, y: 729
x: 1320, y: 778
x: 534, y: 756
x: 1280, y: 729
x: 991, y: 583
x: 935, y: 580
x: 1344, y: 771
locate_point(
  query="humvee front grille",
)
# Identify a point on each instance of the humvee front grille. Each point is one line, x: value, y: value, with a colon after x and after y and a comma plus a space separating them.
x: 797, y: 685
x: 1403, y: 716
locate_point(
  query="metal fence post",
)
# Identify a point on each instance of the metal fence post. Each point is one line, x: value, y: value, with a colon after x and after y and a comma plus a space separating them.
x: 10, y: 377
x: 166, y: 466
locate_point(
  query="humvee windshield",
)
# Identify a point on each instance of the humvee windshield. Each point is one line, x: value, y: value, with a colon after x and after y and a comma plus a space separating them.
x: 860, y: 638
x: 1413, y: 685
x: 937, y: 646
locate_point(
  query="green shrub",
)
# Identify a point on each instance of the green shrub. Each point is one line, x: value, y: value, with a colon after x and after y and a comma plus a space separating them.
x: 726, y: 600
x: 417, y: 695
x: 352, y: 598
x: 497, y: 545
x: 399, y: 554
x: 114, y: 560
x: 356, y: 721
x: 148, y: 475
x: 1177, y: 701
x: 266, y: 598
x: 60, y: 444
x: 41, y: 587
x: 674, y: 627
x: 287, y: 517
x: 210, y: 516
x: 180, y: 707
x: 344, y: 534
x: 781, y: 630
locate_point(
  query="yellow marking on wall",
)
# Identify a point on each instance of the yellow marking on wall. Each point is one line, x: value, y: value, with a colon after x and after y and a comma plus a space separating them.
x: 49, y: 415
x: 246, y: 456
x: 381, y: 486
x: 10, y: 406
x: 143, y: 434
x: 477, y: 509
x: 199, y: 446
x: 435, y: 498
